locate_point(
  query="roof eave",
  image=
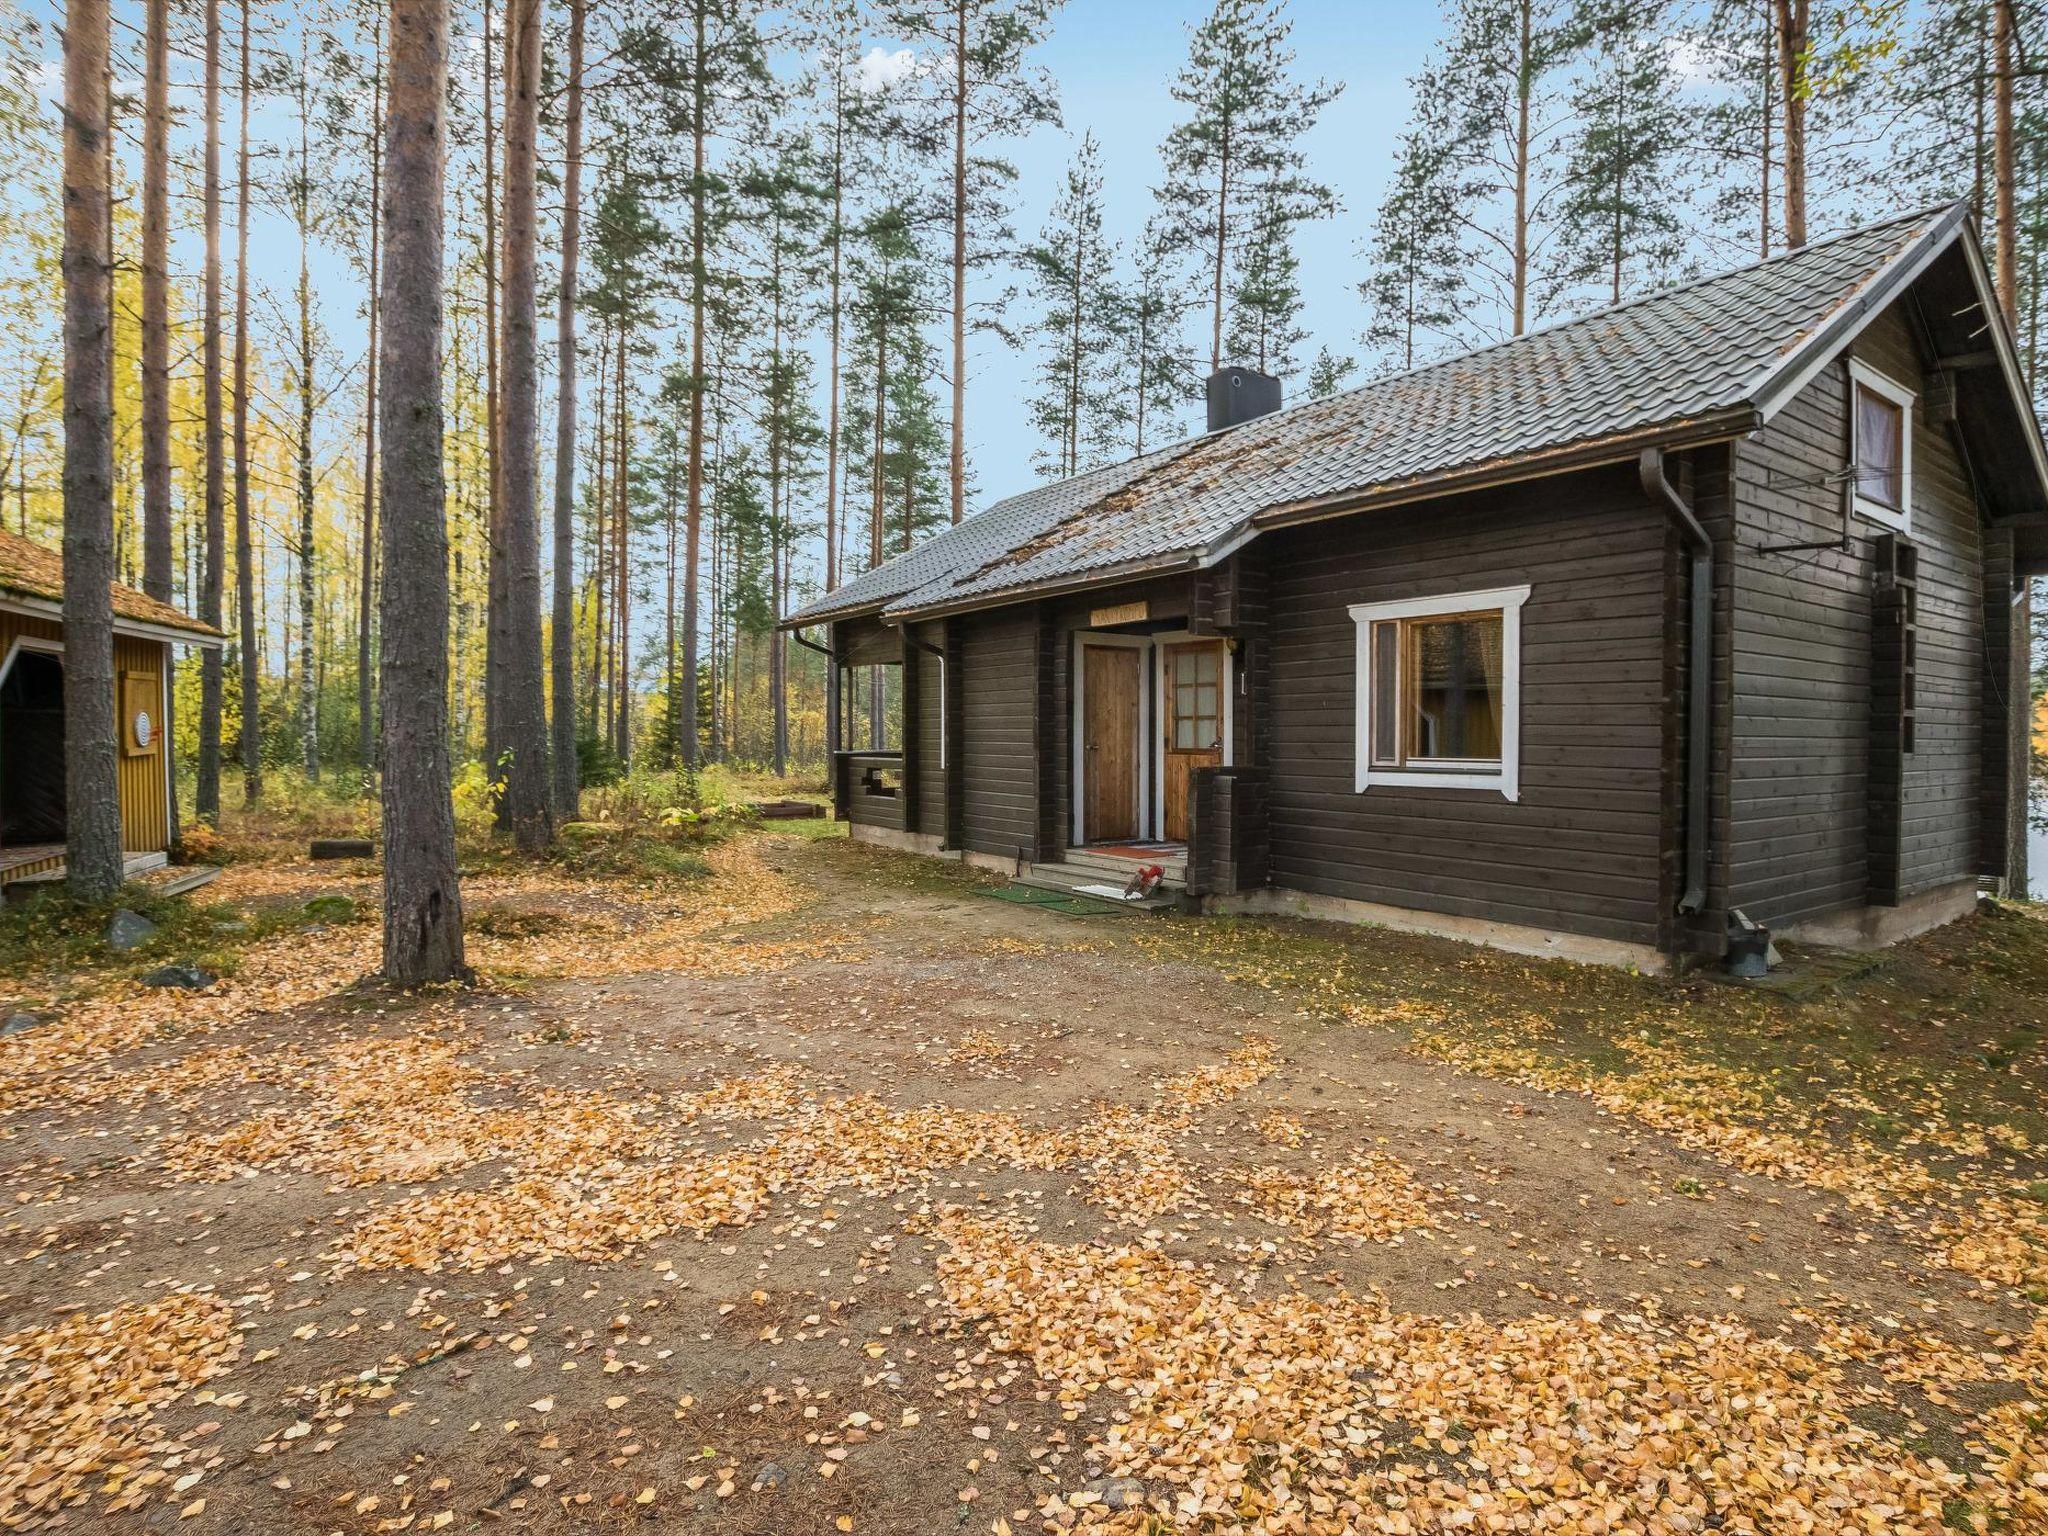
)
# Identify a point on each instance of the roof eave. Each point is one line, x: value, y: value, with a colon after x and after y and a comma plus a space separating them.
x: 1796, y: 369
x: 47, y: 608
x: 1053, y: 586
x: 1617, y: 448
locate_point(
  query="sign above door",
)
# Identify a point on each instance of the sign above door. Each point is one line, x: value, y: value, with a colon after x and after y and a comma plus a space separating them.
x: 1121, y: 613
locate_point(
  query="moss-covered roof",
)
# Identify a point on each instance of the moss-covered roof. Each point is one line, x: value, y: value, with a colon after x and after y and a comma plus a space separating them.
x: 27, y: 569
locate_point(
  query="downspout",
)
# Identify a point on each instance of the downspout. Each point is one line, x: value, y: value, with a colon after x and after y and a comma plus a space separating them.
x: 1656, y: 481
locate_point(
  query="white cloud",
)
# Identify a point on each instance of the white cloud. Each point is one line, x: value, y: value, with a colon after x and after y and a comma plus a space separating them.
x: 880, y: 68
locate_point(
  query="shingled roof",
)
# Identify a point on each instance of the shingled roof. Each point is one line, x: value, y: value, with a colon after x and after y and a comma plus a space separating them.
x: 1706, y: 359
x: 29, y: 570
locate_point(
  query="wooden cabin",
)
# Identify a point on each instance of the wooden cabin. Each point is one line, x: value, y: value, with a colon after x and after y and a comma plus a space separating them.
x: 32, y: 783
x: 1578, y: 644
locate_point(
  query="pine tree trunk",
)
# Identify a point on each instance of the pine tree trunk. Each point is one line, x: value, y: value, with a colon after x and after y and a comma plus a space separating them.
x: 494, y: 536
x: 1767, y: 113
x: 156, y: 316
x: 522, y: 694
x: 366, y: 749
x: 206, y: 790
x: 670, y: 681
x: 621, y: 564
x: 309, y: 688
x: 778, y: 590
x: 1221, y: 253
x: 832, y: 700
x: 248, y: 650
x: 694, y: 513
x: 157, y: 567
x: 422, y: 902
x: 93, y: 869
x: 2005, y: 225
x: 563, y: 639
x: 1792, y: 46
x: 600, y: 546
x: 877, y: 511
x: 957, y: 464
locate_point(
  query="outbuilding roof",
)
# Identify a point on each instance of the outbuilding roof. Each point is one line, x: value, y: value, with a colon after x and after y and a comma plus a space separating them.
x: 1707, y: 359
x: 29, y: 570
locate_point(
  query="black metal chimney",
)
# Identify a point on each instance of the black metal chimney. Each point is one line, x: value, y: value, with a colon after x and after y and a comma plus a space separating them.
x: 1239, y: 394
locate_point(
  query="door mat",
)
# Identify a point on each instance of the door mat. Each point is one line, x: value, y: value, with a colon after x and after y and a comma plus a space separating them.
x: 1053, y: 901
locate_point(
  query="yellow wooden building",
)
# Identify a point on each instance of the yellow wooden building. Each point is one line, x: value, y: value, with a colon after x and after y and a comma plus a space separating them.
x: 32, y: 819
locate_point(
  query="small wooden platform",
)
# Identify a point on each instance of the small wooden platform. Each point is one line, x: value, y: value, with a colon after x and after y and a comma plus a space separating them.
x: 28, y: 865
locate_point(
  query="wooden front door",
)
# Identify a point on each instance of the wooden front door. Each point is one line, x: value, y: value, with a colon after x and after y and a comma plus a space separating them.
x: 1110, y: 679
x: 1193, y: 716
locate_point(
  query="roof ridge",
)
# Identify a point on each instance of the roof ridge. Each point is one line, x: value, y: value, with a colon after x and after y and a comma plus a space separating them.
x: 1563, y: 322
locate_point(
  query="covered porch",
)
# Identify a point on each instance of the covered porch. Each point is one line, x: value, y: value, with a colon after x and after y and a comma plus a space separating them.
x: 1076, y: 739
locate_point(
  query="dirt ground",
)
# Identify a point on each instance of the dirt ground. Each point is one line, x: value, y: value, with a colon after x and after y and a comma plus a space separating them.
x: 826, y: 1193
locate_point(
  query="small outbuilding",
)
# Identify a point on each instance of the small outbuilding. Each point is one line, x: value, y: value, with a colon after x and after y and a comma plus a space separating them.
x: 32, y: 799
x: 1610, y: 641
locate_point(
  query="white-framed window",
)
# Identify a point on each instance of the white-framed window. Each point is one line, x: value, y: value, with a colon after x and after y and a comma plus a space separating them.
x: 1440, y: 691
x: 1881, y: 446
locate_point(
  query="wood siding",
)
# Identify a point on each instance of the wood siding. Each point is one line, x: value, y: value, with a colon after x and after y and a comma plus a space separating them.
x: 999, y: 715
x: 925, y: 734
x: 1580, y: 849
x: 144, y: 797
x: 1799, y: 742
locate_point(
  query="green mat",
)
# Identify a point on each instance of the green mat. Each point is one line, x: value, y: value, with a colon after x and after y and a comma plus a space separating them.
x: 1055, y: 901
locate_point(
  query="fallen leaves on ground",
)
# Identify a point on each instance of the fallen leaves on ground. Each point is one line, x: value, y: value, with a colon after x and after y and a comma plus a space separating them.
x: 78, y: 1400
x: 1291, y: 1413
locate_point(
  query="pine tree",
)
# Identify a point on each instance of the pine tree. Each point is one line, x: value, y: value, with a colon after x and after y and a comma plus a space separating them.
x: 1328, y: 373
x: 422, y: 900
x: 92, y: 857
x: 562, y: 639
x: 521, y: 710
x: 786, y: 200
x: 248, y: 656
x: 981, y: 89
x: 1413, y: 254
x: 1265, y: 302
x: 1620, y: 219
x: 707, y: 78
x: 1156, y: 367
x: 1080, y: 408
x: 206, y: 787
x: 1235, y: 162
x: 156, y: 298
x: 1499, y: 97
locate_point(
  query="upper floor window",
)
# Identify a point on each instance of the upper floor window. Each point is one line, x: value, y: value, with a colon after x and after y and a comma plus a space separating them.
x: 1881, y: 435
x: 1439, y: 686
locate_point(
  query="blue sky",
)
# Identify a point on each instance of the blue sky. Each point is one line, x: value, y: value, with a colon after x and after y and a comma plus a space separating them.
x: 1114, y: 63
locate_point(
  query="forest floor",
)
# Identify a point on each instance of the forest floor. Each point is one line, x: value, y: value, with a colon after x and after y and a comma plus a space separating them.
x: 798, y: 1187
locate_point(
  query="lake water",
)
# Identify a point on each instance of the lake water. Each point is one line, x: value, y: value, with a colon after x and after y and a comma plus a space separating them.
x: 2037, y: 853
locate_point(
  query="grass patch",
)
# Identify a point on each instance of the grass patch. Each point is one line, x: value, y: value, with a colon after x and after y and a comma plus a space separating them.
x: 1931, y: 1055
x: 48, y: 934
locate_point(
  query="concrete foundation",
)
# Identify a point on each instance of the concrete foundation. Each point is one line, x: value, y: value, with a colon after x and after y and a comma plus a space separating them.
x: 1875, y: 927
